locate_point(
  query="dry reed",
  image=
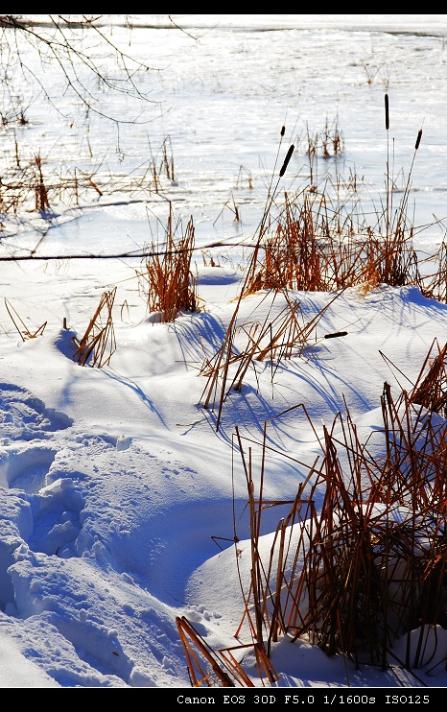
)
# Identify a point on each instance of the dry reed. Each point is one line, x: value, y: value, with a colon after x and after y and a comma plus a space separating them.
x: 359, y: 562
x: 98, y: 344
x: 22, y: 329
x: 170, y: 285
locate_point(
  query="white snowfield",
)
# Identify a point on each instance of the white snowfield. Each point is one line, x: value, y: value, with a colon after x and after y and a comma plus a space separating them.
x: 114, y: 480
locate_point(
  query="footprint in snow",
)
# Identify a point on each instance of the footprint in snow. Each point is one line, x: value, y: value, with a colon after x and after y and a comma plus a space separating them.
x: 25, y: 417
x: 26, y: 469
x: 56, y: 516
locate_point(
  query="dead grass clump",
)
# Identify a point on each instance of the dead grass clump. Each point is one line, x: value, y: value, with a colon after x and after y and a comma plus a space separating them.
x: 332, y: 140
x: 169, y: 281
x: 293, y: 258
x: 397, y: 262
x: 391, y: 260
x: 244, y: 347
x: 310, y: 252
x: 325, y: 243
x: 98, y: 343
x: 320, y: 244
x: 378, y: 549
x: 359, y: 573
x: 25, y: 188
x: 358, y: 565
x: 327, y: 143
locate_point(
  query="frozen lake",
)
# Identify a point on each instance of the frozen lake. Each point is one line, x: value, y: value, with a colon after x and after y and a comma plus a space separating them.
x: 220, y: 91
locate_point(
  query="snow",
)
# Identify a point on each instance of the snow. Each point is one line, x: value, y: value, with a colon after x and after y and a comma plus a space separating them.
x: 110, y: 498
x: 114, y: 480
x: 18, y: 671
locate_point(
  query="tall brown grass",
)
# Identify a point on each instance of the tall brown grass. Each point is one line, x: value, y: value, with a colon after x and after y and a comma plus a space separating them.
x: 359, y: 562
x: 317, y: 249
x: 170, y: 284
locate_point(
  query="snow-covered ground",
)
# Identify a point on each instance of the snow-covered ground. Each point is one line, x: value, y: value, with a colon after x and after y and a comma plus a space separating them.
x: 114, y: 480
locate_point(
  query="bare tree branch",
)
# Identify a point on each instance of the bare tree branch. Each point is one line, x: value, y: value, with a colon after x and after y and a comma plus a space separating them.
x: 57, y: 40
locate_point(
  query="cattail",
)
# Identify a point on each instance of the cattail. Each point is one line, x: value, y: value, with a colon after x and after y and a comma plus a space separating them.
x: 286, y: 160
x: 387, y: 113
x: 335, y: 335
x: 283, y: 131
x: 418, y: 140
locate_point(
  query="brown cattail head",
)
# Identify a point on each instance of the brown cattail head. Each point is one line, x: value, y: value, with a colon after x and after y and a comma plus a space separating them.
x: 286, y: 160
x: 283, y: 130
x: 418, y: 140
x: 387, y: 113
